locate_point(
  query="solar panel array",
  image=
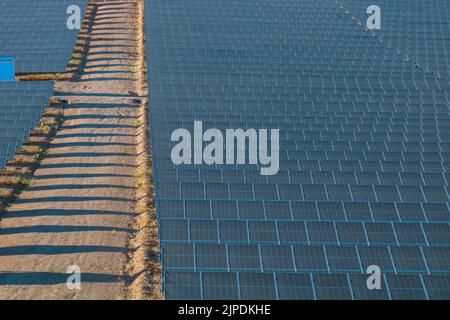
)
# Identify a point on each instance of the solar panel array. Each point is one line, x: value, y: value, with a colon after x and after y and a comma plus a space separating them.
x: 364, y: 153
x: 21, y: 106
x: 36, y: 34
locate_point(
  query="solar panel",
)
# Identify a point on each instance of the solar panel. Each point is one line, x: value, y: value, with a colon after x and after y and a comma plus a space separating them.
x: 343, y: 259
x: 262, y: 231
x: 408, y: 259
x: 204, y: 231
x: 211, y: 257
x: 310, y: 258
x: 437, y: 258
x: 21, y: 106
x: 322, y: 232
x: 410, y: 234
x: 437, y: 233
x: 351, y: 233
x: 292, y: 232
x: 244, y: 257
x: 358, y: 284
x: 277, y: 258
x: 182, y: 285
x: 178, y: 256
x: 405, y: 287
x: 437, y: 287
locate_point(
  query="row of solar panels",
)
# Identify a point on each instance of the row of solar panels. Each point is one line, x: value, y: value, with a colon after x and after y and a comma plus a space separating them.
x: 364, y: 152
x: 303, y: 258
x: 301, y: 286
x: 336, y: 162
x: 35, y: 33
x: 353, y: 211
x: 21, y: 106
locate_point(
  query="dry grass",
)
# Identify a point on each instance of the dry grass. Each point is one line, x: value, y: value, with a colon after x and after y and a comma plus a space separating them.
x: 144, y: 258
x: 137, y: 123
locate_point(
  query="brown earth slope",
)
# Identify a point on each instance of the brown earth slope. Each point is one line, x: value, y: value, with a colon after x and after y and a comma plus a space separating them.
x: 81, y: 204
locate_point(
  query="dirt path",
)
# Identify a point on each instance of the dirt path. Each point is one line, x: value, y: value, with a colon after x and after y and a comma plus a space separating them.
x: 79, y: 209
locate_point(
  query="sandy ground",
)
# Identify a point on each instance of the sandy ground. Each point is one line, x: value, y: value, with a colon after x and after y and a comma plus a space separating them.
x: 81, y: 204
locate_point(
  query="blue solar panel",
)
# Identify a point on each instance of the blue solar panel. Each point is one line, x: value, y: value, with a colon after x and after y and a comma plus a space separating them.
x: 364, y: 167
x: 44, y: 43
x: 21, y: 106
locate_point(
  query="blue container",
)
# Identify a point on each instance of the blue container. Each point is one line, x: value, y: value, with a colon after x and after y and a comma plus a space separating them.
x: 7, y: 69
